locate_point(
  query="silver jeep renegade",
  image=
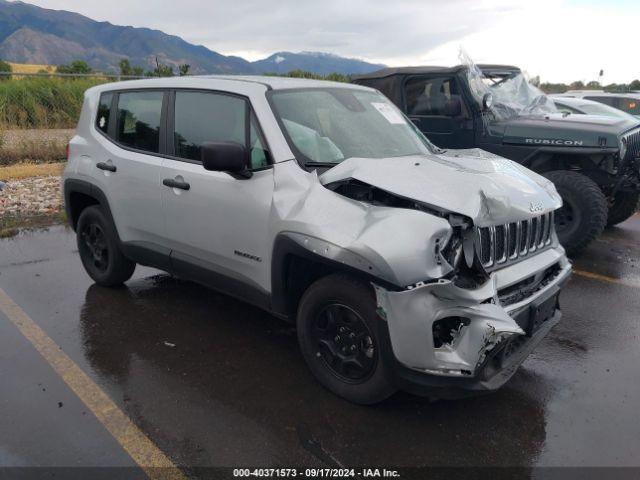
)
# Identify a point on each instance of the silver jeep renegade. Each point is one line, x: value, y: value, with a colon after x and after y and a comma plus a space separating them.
x: 402, y: 265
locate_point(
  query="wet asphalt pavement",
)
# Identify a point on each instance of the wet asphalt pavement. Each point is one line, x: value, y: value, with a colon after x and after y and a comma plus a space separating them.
x: 214, y: 382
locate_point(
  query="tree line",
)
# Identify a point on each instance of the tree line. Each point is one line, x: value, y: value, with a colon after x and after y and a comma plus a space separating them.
x: 593, y: 85
x: 164, y: 70
x: 126, y: 69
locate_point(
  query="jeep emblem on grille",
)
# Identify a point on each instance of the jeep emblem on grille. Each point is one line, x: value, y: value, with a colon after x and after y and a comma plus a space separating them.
x: 536, y: 207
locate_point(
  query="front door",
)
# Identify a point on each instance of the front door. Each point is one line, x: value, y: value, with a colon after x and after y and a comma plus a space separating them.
x: 437, y: 107
x: 217, y: 229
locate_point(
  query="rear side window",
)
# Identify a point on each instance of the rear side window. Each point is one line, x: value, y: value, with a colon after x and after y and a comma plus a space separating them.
x: 207, y: 117
x: 629, y: 105
x: 104, y: 111
x: 606, y: 100
x: 139, y: 116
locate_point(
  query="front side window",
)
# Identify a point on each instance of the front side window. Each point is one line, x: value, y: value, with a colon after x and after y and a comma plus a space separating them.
x: 434, y: 96
x: 333, y: 124
x: 257, y: 149
x: 214, y: 117
x: 104, y: 111
x: 139, y: 116
x: 207, y: 117
x: 606, y: 100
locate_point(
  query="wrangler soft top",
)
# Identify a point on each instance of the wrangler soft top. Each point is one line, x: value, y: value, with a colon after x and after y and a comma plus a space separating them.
x: 388, y: 72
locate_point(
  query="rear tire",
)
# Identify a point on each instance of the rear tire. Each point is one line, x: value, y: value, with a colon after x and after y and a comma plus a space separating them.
x: 337, y: 327
x: 99, y: 250
x: 583, y: 215
x: 623, y: 206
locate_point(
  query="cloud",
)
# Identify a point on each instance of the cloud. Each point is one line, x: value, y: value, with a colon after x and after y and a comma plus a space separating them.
x: 559, y: 42
x: 372, y: 29
x: 560, y: 39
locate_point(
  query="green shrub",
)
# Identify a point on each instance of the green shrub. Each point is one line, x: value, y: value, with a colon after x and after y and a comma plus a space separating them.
x: 334, y: 77
x: 77, y: 66
x: 5, y: 68
x: 43, y: 102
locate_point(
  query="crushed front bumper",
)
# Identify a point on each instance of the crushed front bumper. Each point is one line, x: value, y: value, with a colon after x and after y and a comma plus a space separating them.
x: 499, y: 330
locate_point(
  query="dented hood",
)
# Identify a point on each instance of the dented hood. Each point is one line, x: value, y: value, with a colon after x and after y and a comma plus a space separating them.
x: 489, y: 189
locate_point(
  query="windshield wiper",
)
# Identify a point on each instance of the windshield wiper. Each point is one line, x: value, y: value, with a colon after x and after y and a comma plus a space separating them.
x: 321, y: 164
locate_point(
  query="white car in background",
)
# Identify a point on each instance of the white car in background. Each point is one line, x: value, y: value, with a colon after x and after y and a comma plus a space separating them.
x: 582, y: 106
x: 627, y: 102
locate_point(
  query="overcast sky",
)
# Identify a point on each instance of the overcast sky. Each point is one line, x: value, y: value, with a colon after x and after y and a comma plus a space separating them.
x: 560, y: 40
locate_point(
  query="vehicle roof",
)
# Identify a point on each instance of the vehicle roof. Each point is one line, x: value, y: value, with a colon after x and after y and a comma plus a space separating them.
x: 202, y: 81
x: 599, y: 93
x: 578, y: 101
x: 387, y: 72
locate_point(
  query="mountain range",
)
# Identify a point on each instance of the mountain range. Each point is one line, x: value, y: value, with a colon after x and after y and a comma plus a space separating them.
x: 31, y: 34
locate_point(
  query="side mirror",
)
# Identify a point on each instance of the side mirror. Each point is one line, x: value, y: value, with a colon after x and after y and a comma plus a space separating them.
x: 487, y: 101
x: 225, y: 157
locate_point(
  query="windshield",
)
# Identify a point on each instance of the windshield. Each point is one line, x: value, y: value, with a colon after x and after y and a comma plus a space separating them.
x: 600, y: 109
x: 330, y: 125
x: 512, y: 93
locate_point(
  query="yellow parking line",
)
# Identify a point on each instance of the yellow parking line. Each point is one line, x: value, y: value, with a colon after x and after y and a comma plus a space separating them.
x: 141, y: 449
x: 605, y: 278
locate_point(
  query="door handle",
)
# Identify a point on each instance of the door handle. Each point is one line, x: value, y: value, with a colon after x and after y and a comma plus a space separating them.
x: 173, y: 183
x: 109, y: 167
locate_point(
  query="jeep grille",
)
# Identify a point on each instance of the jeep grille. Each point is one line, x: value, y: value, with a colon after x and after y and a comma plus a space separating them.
x: 632, y: 139
x: 502, y: 244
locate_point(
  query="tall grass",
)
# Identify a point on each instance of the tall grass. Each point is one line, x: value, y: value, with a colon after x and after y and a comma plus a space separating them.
x: 42, y: 102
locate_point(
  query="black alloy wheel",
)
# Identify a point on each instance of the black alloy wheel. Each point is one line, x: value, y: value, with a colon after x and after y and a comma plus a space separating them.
x: 344, y: 343
x: 96, y: 246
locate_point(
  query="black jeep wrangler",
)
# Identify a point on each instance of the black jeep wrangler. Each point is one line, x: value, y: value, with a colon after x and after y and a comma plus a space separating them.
x: 593, y: 161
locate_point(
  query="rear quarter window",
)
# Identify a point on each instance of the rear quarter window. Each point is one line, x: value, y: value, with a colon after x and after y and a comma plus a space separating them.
x: 629, y: 105
x: 104, y: 112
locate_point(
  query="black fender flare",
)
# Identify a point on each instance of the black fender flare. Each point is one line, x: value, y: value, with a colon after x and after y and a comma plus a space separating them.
x: 73, y: 185
x: 547, y: 153
x: 284, y: 247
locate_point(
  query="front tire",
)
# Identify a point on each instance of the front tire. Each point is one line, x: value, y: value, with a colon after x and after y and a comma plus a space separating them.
x: 583, y: 215
x: 99, y: 250
x: 622, y: 207
x: 337, y: 328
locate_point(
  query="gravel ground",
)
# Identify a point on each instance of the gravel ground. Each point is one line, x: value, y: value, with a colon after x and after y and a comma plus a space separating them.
x: 17, y: 138
x: 31, y: 196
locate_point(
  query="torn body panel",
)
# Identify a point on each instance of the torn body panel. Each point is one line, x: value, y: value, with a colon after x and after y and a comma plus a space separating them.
x: 397, y: 245
x: 485, y: 323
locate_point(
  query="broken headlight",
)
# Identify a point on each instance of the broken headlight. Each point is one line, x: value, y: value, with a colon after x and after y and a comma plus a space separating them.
x: 459, y: 253
x: 622, y: 144
x: 452, y: 252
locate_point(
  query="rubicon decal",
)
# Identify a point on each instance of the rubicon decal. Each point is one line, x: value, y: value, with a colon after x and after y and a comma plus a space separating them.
x: 553, y: 141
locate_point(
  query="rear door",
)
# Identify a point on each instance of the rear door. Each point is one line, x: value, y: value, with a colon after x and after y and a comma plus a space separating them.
x: 436, y: 106
x: 130, y: 124
x: 218, y: 228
